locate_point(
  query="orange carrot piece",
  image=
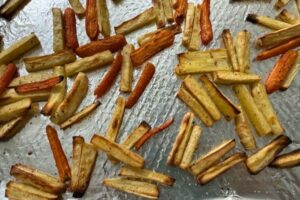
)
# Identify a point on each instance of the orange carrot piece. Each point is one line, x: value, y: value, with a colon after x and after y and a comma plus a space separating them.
x: 152, y: 133
x: 8, y: 75
x: 280, y: 49
x: 58, y: 154
x: 40, y: 85
x: 113, y: 43
x: 70, y: 29
x: 280, y: 71
x: 110, y: 77
x: 205, y: 23
x: 141, y: 85
x: 180, y: 7
x: 91, y: 22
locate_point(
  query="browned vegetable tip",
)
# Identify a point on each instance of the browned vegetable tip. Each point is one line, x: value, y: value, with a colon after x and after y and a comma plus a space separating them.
x: 205, y: 23
x: 10, y: 7
x: 70, y: 29
x: 264, y: 156
x: 9, y: 73
x: 40, y: 85
x: 141, y: 85
x: 110, y: 77
x: 288, y: 17
x: 291, y: 159
x: 113, y: 43
x: 58, y: 154
x: 221, y: 168
x: 153, y: 132
x: 231, y: 51
x: 91, y: 22
x: 280, y: 71
x: 158, y: 42
x: 180, y: 10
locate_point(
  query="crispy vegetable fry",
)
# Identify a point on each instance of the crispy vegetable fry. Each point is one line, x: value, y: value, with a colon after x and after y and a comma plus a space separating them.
x: 60, y: 158
x: 91, y: 22
x: 205, y: 23
x: 184, y: 95
x: 181, y: 141
x: 19, y: 48
x: 146, y: 17
x: 202, y: 97
x: 113, y: 44
x: 58, y: 30
x: 242, y: 50
x: 243, y: 130
x: 70, y: 29
x: 10, y: 7
x: 292, y: 74
x: 136, y: 135
x: 118, y: 151
x: 229, y: 45
x: 221, y: 168
x: 288, y: 17
x: 48, y: 61
x: 139, y: 188
x: 229, y: 77
x: 291, y: 159
x: 280, y: 71
x: 267, y: 22
x: 159, y: 42
x: 13, y: 110
x: 77, y: 7
x: 190, y: 147
x: 188, y: 25
x: 141, y: 85
x: 37, y: 179
x: 77, y: 117
x: 30, y: 78
x: 226, y: 107
x: 263, y: 157
x: 7, y: 76
x: 278, y: 37
x: 280, y: 3
x: 103, y: 18
x: 110, y: 77
x: 72, y: 100
x: 256, y: 117
x: 180, y: 10
x: 168, y: 10
x: 159, y: 11
x: 264, y: 104
x: 126, y: 69
x: 40, y: 85
x: 16, y: 190
x: 195, y: 41
x: 58, y: 92
x: 78, y: 142
x: 205, y: 162
x: 145, y: 174
x: 92, y: 62
x: 152, y: 132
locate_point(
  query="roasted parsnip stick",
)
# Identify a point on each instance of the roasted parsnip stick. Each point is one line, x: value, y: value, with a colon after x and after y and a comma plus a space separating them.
x: 291, y: 159
x: 221, y: 168
x: 145, y: 174
x: 229, y: 77
x: 288, y: 17
x: 10, y: 7
x: 58, y: 30
x: 77, y: 143
x: 70, y: 29
x: 77, y: 7
x: 242, y: 50
x: 103, y: 18
x: 280, y: 3
x: 195, y: 41
x: 91, y: 23
x: 113, y: 44
x: 30, y: 78
x: 188, y: 25
x: 212, y: 157
x: 292, y: 74
x: 136, y: 135
x: 19, y: 48
x: 160, y: 15
x: 267, y: 22
x: 180, y: 10
x: 109, y: 78
x: 92, y: 62
x: 205, y: 23
x: 263, y: 157
x: 126, y: 69
x: 14, y: 110
x: 60, y: 158
x: 5, y: 79
x: 229, y: 45
x: 168, y: 10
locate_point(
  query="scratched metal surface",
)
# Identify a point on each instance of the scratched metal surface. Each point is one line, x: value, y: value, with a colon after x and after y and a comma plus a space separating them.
x: 157, y: 104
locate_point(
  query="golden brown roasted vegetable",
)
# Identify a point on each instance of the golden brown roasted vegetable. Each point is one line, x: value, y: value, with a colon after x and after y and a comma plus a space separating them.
x: 5, y: 79
x: 195, y: 40
x: 58, y: 41
x: 229, y: 45
x: 77, y: 7
x: 91, y: 22
x: 291, y: 159
x: 188, y: 25
x: 267, y: 22
x: 230, y: 78
x: 126, y: 69
x: 180, y: 10
x: 10, y: 7
x: 14, y: 110
x: 103, y: 18
x: 70, y: 29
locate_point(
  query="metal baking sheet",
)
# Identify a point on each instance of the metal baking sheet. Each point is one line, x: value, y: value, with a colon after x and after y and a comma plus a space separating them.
x: 157, y: 104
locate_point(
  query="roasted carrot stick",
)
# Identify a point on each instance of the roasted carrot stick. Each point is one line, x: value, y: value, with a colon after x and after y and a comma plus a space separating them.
x: 113, y: 43
x: 91, y: 22
x: 58, y: 154
x: 205, y: 23
x: 280, y: 71
x: 40, y: 85
x: 110, y: 77
x: 7, y: 76
x: 180, y: 10
x: 70, y: 29
x: 280, y: 49
x: 153, y: 132
x: 141, y: 85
